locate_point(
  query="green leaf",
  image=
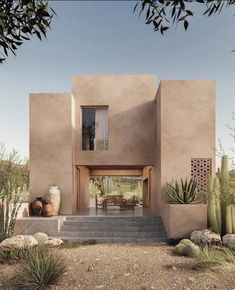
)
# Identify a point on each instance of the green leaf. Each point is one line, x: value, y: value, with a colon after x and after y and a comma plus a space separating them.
x: 185, y: 24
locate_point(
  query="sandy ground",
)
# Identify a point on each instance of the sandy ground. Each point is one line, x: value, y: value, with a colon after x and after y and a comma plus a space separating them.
x: 123, y: 267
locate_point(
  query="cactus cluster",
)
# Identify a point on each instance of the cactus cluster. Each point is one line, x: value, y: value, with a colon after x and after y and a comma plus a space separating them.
x: 186, y: 248
x: 230, y: 219
x: 221, y: 211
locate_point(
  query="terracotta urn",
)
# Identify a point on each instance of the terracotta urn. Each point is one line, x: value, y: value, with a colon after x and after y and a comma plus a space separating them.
x: 54, y: 196
x: 47, y: 209
x: 37, y: 206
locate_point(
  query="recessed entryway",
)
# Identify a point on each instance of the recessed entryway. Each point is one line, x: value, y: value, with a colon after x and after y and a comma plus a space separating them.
x: 113, y: 189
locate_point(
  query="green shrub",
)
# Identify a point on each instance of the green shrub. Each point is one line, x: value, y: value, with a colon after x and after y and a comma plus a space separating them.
x: 210, y: 257
x: 183, y: 192
x: 14, y: 255
x: 44, y: 268
x: 69, y: 244
x: 41, y: 238
x: 13, y: 182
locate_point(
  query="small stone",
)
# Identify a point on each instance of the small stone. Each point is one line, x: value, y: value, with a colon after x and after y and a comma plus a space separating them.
x: 90, y: 268
x: 152, y: 287
x: 54, y: 242
x: 136, y: 265
x: 191, y: 279
x: 174, y: 268
x: 116, y: 258
x: 126, y: 274
x: 99, y: 286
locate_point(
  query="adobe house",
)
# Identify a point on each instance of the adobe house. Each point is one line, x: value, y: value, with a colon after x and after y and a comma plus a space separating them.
x: 159, y: 131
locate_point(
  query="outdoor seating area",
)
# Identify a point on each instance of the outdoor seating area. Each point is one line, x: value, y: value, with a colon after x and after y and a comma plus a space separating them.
x: 114, y: 200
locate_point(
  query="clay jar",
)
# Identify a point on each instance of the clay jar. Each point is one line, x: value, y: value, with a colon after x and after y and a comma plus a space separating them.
x: 47, y: 209
x: 54, y: 196
x: 37, y: 206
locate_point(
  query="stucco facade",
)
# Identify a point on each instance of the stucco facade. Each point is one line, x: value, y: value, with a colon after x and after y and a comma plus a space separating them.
x: 154, y: 131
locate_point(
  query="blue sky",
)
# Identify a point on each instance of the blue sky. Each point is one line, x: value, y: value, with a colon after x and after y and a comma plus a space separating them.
x: 105, y: 37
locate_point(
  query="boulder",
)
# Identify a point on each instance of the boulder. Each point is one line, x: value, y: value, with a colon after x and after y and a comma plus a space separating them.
x: 41, y: 237
x: 54, y: 242
x: 229, y: 241
x: 205, y: 237
x: 187, y: 248
x: 18, y: 242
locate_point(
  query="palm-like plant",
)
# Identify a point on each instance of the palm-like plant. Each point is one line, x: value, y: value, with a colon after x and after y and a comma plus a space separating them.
x: 182, y: 193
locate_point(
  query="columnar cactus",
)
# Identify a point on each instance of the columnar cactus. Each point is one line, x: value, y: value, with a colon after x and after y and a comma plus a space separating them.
x: 229, y: 223
x: 233, y: 218
x: 221, y: 212
x: 214, y: 213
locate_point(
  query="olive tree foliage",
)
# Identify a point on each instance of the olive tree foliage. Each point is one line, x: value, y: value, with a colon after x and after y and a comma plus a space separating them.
x: 164, y: 14
x: 14, y: 181
x: 19, y: 21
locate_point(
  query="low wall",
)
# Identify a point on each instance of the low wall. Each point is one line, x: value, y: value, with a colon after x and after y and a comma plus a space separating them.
x: 181, y: 219
x: 32, y: 225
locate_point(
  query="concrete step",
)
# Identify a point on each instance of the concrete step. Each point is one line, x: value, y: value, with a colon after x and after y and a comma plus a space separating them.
x: 130, y: 218
x: 113, y: 222
x: 118, y: 234
x: 114, y: 240
x: 112, y: 229
x: 104, y: 228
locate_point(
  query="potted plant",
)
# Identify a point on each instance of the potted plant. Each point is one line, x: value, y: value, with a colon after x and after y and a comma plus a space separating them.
x: 185, y: 211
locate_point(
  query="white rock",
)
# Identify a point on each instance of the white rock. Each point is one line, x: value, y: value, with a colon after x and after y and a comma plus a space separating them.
x: 229, y: 241
x: 203, y: 237
x: 54, y: 242
x: 19, y: 242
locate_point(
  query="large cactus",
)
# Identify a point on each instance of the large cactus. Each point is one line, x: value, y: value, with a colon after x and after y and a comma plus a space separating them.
x: 214, y: 213
x: 220, y: 211
x: 230, y: 219
x: 229, y: 223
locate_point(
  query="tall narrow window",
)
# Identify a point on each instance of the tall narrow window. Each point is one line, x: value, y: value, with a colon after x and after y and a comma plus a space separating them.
x: 94, y: 128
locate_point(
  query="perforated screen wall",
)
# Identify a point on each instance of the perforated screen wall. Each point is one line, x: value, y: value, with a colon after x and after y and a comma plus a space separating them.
x: 201, y: 169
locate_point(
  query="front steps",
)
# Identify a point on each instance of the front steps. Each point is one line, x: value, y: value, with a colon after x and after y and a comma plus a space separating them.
x: 111, y: 229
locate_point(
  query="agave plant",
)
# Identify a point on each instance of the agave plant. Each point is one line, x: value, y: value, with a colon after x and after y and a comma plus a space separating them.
x: 185, y: 192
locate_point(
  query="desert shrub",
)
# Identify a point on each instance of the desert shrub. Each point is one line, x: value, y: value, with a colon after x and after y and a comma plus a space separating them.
x: 41, y: 238
x: 229, y: 255
x: 15, y: 255
x: 70, y: 244
x: 14, y: 180
x: 42, y: 269
x: 210, y: 257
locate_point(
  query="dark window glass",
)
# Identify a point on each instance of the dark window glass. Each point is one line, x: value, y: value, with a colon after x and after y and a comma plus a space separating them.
x: 88, y: 128
x: 95, y: 128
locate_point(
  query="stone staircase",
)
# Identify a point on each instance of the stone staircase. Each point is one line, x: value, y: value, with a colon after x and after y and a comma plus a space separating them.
x: 111, y: 229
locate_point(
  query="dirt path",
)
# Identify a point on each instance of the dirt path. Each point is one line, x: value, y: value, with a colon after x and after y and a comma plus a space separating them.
x: 131, y: 267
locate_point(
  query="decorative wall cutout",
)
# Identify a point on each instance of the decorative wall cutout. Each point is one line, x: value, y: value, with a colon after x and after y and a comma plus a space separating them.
x: 200, y: 170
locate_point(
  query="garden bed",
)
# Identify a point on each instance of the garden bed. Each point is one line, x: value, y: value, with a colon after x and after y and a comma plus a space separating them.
x: 129, y: 267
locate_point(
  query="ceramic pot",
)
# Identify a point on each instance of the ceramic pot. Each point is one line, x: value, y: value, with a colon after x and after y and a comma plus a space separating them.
x: 37, y: 206
x: 47, y: 209
x: 54, y: 196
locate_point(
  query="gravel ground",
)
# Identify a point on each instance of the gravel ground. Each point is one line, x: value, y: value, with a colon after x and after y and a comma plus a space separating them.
x: 130, y: 267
